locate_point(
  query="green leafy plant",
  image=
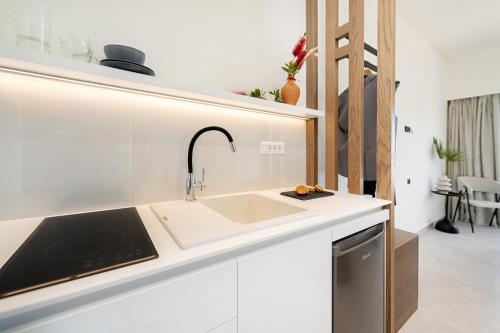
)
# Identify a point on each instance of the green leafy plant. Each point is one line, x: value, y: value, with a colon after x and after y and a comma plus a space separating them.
x: 258, y: 93
x: 291, y: 68
x: 450, y: 155
x: 277, y: 95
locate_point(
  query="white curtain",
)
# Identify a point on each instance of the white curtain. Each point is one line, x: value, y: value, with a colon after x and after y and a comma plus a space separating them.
x: 474, y: 129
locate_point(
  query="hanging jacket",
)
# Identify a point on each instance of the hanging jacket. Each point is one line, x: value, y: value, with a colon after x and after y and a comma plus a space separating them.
x: 370, y: 130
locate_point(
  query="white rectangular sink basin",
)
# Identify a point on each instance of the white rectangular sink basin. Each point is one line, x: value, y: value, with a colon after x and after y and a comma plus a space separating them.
x: 212, y: 219
x: 250, y: 208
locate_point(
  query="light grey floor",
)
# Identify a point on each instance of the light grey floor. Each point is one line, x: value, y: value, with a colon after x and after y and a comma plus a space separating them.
x: 459, y: 282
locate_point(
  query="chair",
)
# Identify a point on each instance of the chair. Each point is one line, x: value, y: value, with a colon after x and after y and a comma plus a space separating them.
x: 478, y: 184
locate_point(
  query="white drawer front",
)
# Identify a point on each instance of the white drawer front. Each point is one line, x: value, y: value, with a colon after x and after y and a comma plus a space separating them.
x: 192, y: 303
x: 288, y: 287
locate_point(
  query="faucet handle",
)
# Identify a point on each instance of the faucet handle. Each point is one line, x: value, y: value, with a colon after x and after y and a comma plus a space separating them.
x: 203, y: 183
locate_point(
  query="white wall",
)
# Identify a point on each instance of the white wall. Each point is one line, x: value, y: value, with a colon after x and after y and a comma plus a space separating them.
x: 420, y: 104
x: 68, y: 147
x: 473, y: 72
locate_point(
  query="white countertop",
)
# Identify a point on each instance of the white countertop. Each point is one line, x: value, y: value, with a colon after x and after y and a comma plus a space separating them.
x: 342, y: 212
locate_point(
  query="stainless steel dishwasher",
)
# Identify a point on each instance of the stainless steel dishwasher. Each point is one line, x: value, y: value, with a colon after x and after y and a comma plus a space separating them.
x: 359, y: 282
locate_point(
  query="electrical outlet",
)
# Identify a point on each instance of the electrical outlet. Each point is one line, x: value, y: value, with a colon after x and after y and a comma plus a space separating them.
x: 272, y: 148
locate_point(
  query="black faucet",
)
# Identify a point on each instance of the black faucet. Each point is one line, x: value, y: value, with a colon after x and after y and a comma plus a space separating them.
x: 191, y: 183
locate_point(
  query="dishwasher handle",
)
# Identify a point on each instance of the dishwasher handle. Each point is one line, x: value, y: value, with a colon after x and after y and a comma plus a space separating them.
x: 356, y: 241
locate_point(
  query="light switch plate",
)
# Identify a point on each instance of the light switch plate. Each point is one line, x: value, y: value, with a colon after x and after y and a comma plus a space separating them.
x: 272, y: 148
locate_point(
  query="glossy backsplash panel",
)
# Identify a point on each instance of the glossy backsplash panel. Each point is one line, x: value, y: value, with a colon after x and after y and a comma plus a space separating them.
x: 67, y: 147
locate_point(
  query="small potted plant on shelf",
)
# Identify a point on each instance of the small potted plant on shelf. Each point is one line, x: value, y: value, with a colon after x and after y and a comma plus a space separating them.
x: 290, y: 92
x: 258, y: 93
x: 446, y: 156
x: 277, y: 95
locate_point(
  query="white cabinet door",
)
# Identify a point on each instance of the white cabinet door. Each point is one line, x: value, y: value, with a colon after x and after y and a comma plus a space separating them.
x: 192, y: 303
x: 288, y: 287
x: 229, y: 327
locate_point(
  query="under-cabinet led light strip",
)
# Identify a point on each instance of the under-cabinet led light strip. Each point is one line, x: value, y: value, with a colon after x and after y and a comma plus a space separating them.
x: 141, y: 92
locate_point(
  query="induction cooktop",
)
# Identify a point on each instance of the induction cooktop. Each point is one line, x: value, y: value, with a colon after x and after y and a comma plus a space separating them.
x: 69, y: 247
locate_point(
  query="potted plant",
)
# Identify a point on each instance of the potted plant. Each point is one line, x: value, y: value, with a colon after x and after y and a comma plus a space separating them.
x: 258, y: 93
x: 290, y: 92
x: 446, y: 156
x: 277, y: 95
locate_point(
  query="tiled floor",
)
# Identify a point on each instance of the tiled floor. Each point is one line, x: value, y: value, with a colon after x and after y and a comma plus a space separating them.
x: 459, y: 282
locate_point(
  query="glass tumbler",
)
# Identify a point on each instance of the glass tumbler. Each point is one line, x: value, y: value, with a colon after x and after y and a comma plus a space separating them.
x: 77, y: 46
x: 34, y: 28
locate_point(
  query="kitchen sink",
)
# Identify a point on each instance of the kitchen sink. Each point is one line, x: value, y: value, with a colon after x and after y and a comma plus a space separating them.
x: 250, y: 208
x: 193, y: 223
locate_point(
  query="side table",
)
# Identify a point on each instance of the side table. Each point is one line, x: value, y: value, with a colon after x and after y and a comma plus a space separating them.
x: 445, y: 225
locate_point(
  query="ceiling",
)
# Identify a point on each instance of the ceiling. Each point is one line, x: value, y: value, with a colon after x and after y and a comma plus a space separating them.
x: 455, y: 25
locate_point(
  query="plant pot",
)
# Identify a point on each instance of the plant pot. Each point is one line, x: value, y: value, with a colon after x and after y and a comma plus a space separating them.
x: 444, y: 184
x: 290, y: 92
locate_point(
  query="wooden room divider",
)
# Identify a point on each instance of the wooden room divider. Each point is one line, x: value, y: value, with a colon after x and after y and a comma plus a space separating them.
x: 353, y: 30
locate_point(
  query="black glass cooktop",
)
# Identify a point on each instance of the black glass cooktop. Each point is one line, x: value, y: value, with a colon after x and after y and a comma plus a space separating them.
x: 69, y: 247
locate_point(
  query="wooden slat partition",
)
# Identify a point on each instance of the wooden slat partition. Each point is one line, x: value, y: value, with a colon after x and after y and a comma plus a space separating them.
x: 356, y: 95
x: 331, y: 95
x: 386, y: 89
x: 354, y: 51
x: 312, y: 93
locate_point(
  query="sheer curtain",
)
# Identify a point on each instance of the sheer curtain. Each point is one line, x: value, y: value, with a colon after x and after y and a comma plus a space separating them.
x: 474, y: 129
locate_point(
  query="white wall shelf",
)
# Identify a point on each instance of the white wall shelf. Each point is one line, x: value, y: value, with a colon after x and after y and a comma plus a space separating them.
x: 16, y: 60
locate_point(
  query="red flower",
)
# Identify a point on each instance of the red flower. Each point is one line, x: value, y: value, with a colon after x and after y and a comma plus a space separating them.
x: 299, y: 46
x: 300, y: 58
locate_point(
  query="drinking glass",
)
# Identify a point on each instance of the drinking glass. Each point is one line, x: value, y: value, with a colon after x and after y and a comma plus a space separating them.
x: 77, y: 46
x: 34, y: 28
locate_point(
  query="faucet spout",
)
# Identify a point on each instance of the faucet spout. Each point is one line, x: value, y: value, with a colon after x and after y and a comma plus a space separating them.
x: 191, y: 182
x: 233, y: 147
x: 197, y: 135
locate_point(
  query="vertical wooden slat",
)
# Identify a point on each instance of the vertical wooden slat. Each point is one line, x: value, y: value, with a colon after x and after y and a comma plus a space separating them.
x: 312, y: 151
x: 390, y: 276
x: 356, y: 96
x: 312, y: 93
x: 385, y: 97
x: 312, y: 62
x: 385, y: 110
x: 331, y: 95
